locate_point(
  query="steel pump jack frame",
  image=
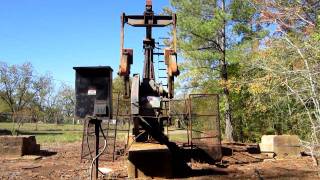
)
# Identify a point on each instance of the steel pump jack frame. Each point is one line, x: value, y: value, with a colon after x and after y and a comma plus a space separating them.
x: 148, y: 96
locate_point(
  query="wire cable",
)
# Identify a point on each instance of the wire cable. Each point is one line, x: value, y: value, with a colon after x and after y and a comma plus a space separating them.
x: 87, y: 138
x: 96, y: 157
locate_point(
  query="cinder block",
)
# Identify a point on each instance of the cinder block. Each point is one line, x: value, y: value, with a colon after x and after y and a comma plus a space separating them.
x: 30, y: 145
x: 148, y: 160
x: 287, y: 146
x: 281, y: 145
x: 266, y: 145
x: 18, y: 145
x: 11, y: 145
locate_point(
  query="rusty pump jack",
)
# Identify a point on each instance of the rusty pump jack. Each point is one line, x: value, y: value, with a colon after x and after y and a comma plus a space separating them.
x: 147, y: 96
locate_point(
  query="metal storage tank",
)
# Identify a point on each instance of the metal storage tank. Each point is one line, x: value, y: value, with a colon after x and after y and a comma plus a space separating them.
x: 93, y: 91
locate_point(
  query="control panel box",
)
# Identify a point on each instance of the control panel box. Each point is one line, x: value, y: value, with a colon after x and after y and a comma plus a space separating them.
x: 93, y: 91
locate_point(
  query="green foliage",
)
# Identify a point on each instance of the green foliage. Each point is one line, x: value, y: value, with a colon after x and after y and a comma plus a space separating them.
x: 3, y: 107
x: 262, y: 67
x: 200, y: 40
x: 272, y: 81
x: 198, y: 23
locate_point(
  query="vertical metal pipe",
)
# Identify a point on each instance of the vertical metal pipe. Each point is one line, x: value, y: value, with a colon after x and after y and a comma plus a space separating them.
x: 190, y: 119
x: 151, y: 64
x: 146, y: 65
x: 116, y: 128
x: 96, y: 131
x: 83, y: 135
x: 188, y: 113
x: 218, y: 119
x: 128, y: 133
x: 148, y: 32
x: 122, y: 34
x: 174, y: 32
x: 148, y: 52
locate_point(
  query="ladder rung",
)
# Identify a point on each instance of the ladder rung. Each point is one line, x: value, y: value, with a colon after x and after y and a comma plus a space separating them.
x: 163, y: 77
x: 162, y: 69
x: 160, y: 61
x: 110, y: 129
x: 117, y: 129
x: 158, y: 54
x: 110, y: 137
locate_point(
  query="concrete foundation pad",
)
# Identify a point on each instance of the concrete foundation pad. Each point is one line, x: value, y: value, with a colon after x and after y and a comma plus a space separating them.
x: 18, y: 145
x: 149, y: 160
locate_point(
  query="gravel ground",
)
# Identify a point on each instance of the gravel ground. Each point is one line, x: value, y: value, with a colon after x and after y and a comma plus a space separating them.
x: 62, y: 161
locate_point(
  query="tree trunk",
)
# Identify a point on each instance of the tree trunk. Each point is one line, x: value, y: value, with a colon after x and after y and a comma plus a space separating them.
x: 228, y: 117
x: 224, y: 74
x: 13, y: 123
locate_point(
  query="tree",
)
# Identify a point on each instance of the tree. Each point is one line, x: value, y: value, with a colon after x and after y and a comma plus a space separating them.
x: 292, y: 57
x: 66, y: 100
x: 276, y: 89
x: 3, y: 106
x: 38, y: 104
x: 296, y: 69
x: 19, y: 87
x: 121, y: 105
x: 208, y: 30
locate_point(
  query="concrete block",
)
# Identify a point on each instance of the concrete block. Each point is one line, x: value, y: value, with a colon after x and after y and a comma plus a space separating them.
x: 266, y: 145
x: 281, y: 145
x: 287, y: 146
x: 11, y: 145
x: 149, y: 160
x: 18, y: 145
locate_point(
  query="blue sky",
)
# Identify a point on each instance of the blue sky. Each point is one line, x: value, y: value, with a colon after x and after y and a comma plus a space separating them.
x: 56, y: 35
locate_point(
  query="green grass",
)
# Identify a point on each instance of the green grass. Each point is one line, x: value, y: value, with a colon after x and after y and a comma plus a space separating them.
x: 43, y: 127
x: 65, y: 137
x: 67, y: 133
x: 178, y: 137
x: 49, y: 133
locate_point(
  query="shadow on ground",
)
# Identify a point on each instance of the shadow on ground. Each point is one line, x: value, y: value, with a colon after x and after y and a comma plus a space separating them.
x: 207, y: 172
x: 4, y: 132
x: 38, y: 133
x: 46, y: 153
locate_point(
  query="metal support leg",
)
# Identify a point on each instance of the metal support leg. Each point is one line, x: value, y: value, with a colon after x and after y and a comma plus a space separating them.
x: 97, y: 124
x: 96, y: 131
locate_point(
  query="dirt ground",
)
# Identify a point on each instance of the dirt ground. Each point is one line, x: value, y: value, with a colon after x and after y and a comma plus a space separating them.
x: 62, y: 161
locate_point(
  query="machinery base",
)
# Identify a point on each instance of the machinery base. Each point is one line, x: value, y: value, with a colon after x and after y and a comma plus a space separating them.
x: 149, y: 160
